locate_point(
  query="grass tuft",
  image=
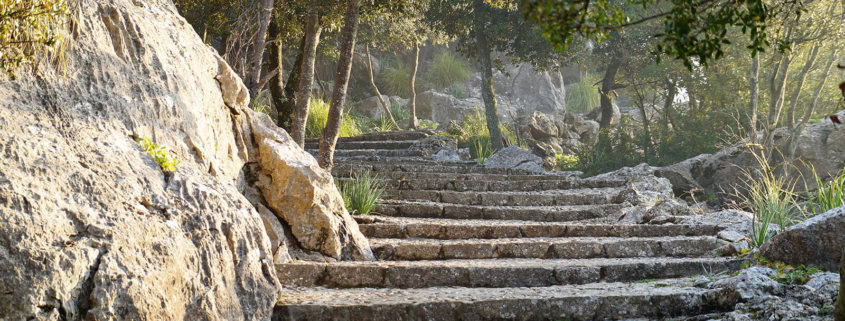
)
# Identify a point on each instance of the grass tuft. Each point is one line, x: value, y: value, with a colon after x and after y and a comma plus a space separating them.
x: 362, y: 192
x: 583, y: 95
x: 830, y: 195
x: 318, y: 114
x: 448, y: 69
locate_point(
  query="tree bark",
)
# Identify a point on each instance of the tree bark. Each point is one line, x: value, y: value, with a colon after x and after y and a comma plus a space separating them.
x: 793, y: 104
x: 277, y: 88
x: 754, y: 83
x: 265, y: 13
x: 413, y: 123
x: 608, y: 84
x: 778, y: 87
x: 795, y: 133
x: 303, y: 100
x: 288, y: 102
x: 490, y: 104
x: 671, y: 92
x: 839, y: 314
x: 328, y: 138
x: 384, y: 105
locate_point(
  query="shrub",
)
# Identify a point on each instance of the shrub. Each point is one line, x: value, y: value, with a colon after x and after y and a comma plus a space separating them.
x: 399, y: 112
x: 458, y: 91
x: 396, y: 77
x: 31, y: 28
x: 566, y: 162
x: 361, y: 193
x: 318, y: 114
x: 830, y: 195
x: 447, y: 69
x: 583, y: 96
x: 159, y: 153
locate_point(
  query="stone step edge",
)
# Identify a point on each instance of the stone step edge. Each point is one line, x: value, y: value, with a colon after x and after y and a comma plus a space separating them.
x: 428, y: 209
x: 539, y: 248
x: 494, y: 272
x: 612, y: 301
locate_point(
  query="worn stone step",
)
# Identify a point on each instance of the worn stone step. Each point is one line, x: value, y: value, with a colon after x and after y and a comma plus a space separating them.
x: 451, y: 229
x: 396, y: 165
x: 495, y: 273
x: 583, y: 196
x: 524, y: 213
x: 513, y: 183
x: 345, y: 171
x: 594, y: 301
x: 381, y: 136
x: 540, y: 247
x: 372, y: 152
x: 384, y: 144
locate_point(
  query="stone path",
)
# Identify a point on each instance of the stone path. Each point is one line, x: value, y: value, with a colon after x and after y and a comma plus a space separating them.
x: 458, y: 241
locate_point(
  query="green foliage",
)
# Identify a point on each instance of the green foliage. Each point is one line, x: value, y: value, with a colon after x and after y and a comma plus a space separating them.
x: 708, y: 273
x: 447, y: 70
x: 480, y: 149
x: 381, y: 124
x: 159, y: 153
x: 31, y: 29
x: 566, y: 162
x: 396, y: 78
x: 399, y: 112
x: 428, y: 124
x: 829, y: 195
x: 318, y: 114
x: 770, y: 198
x: 583, y: 95
x: 362, y: 192
x: 786, y: 274
x: 458, y: 91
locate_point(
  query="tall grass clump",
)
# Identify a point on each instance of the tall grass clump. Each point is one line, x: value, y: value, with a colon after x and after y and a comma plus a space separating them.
x: 583, y: 95
x: 32, y: 31
x: 318, y: 114
x: 770, y: 198
x: 447, y: 69
x: 396, y: 78
x: 362, y: 192
x: 830, y: 195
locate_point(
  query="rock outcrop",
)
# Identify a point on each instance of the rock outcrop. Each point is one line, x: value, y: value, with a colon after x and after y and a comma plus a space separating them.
x: 514, y: 157
x: 90, y: 226
x: 817, y: 241
x: 442, y: 108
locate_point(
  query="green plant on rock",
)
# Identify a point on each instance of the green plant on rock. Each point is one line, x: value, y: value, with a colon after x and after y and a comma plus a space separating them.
x: 566, y: 162
x: 770, y: 198
x: 785, y: 273
x: 31, y: 29
x: 395, y: 76
x: 399, y: 112
x: 481, y: 150
x: 159, y: 153
x: 382, y: 124
x: 362, y: 192
x: 447, y: 69
x: 458, y: 91
x: 829, y: 195
x: 582, y: 96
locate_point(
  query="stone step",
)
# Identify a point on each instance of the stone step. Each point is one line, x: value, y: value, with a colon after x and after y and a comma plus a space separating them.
x: 494, y: 273
x: 345, y: 171
x: 522, y: 213
x: 380, y: 136
x: 594, y: 301
x: 451, y: 229
x: 515, y: 183
x: 372, y: 152
x: 545, y: 247
x: 396, y: 165
x: 384, y: 144
x: 583, y: 196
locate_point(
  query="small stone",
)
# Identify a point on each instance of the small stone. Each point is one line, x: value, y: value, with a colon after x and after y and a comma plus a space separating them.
x: 731, y: 236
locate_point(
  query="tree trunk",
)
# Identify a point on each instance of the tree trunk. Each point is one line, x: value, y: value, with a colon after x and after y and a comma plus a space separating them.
x: 778, y: 87
x: 303, y: 95
x: 483, y: 49
x: 265, y: 13
x: 671, y: 92
x: 277, y: 94
x: 839, y: 315
x: 328, y: 138
x: 413, y: 123
x: 795, y: 133
x: 793, y: 104
x: 754, y: 83
x: 607, y: 86
x: 384, y: 104
x: 288, y: 101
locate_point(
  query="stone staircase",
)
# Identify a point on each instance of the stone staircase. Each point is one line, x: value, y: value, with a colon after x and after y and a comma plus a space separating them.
x: 458, y: 241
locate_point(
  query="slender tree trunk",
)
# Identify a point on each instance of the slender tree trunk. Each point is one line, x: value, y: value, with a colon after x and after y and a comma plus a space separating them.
x: 384, y: 105
x: 288, y: 101
x: 839, y: 314
x: 413, y: 123
x: 776, y: 100
x: 303, y: 100
x: 328, y: 138
x: 793, y: 104
x: 795, y: 133
x: 752, y: 102
x: 608, y: 84
x: 490, y: 104
x: 277, y: 88
x: 264, y: 15
x: 671, y: 92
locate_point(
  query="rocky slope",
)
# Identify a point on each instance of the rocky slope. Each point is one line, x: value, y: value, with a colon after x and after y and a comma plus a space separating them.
x: 90, y: 227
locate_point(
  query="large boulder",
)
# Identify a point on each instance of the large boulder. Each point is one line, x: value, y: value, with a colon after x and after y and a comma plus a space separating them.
x: 90, y: 226
x: 370, y: 107
x: 522, y: 90
x: 817, y: 241
x: 443, y: 108
x: 542, y: 126
x: 680, y: 175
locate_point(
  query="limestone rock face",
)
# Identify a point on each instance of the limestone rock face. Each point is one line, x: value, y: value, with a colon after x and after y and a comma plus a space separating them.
x: 304, y: 195
x: 89, y: 224
x: 542, y: 126
x: 370, y: 107
x: 516, y: 158
x: 442, y: 108
x: 817, y: 241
